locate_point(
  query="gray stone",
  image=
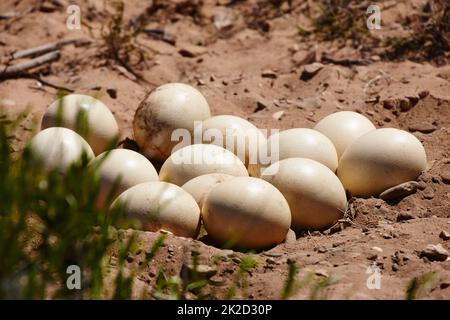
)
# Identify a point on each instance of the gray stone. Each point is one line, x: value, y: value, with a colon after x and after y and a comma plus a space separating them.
x: 310, y: 70
x: 217, y: 281
x: 223, y: 18
x: 192, y: 51
x: 434, y: 252
x: 422, y: 185
x: 423, y: 126
x: 400, y: 191
x: 278, y: 115
x: 112, y: 92
x: 290, y: 237
x: 445, y: 177
x: 403, y: 216
x: 202, y: 270
x: 261, y: 105
x: 273, y: 254
x: 322, y: 249
x: 444, y: 235
x: 321, y: 273
x: 428, y: 195
x: 372, y: 257
x: 269, y: 74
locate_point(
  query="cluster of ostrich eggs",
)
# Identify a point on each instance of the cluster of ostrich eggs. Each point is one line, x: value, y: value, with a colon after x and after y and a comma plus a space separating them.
x: 211, y: 169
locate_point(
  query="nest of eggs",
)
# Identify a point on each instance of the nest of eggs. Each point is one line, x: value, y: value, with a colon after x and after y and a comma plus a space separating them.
x: 243, y: 199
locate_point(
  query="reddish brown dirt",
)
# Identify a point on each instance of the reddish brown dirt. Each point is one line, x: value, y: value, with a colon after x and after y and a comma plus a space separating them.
x: 227, y: 67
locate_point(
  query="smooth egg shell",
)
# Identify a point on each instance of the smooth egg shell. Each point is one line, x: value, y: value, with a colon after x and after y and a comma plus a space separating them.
x: 236, y: 135
x: 246, y: 212
x: 200, y: 186
x: 58, y: 148
x: 124, y: 167
x: 199, y: 159
x: 315, y: 195
x: 343, y: 128
x: 162, y: 206
x: 167, y: 108
x: 305, y: 143
x: 379, y: 160
x: 102, y: 127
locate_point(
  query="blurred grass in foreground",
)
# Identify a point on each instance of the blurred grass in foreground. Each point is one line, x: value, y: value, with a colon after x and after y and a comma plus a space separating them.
x: 49, y: 221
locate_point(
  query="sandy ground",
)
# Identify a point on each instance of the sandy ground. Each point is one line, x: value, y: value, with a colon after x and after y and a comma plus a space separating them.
x: 252, y: 67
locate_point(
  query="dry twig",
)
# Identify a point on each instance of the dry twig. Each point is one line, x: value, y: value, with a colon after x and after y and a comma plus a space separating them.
x: 36, y: 51
x: 8, y: 71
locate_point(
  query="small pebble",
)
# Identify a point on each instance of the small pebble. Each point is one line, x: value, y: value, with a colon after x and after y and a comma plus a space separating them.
x: 269, y: 74
x: 310, y: 70
x: 322, y: 249
x: 404, y: 216
x: 321, y: 273
x: 217, y: 281
x: 434, y: 252
x: 278, y: 115
x: 400, y: 191
x: 424, y: 127
x: 445, y: 177
x: 444, y: 235
x: 372, y: 257
x: 428, y: 195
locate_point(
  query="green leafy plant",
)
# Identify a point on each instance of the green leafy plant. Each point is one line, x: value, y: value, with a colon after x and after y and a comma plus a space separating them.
x: 420, y: 284
x: 193, y: 280
x: 319, y: 286
x: 316, y: 285
x: 289, y: 284
x: 49, y: 221
x: 246, y: 264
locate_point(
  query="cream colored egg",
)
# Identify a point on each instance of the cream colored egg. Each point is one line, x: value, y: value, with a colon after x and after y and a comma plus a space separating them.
x: 305, y: 143
x: 161, y: 206
x: 237, y: 135
x: 58, y: 148
x: 199, y: 159
x: 72, y: 110
x: 315, y: 195
x: 343, y: 128
x: 200, y: 186
x: 167, y: 108
x: 379, y: 160
x: 119, y: 170
x: 246, y: 212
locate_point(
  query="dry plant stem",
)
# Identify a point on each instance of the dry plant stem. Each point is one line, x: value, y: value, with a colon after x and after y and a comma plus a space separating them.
x: 160, y: 34
x: 8, y: 15
x: 38, y: 78
x: 46, y: 48
x: 8, y: 71
x: 125, y: 72
x: 346, y: 62
x: 49, y: 84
